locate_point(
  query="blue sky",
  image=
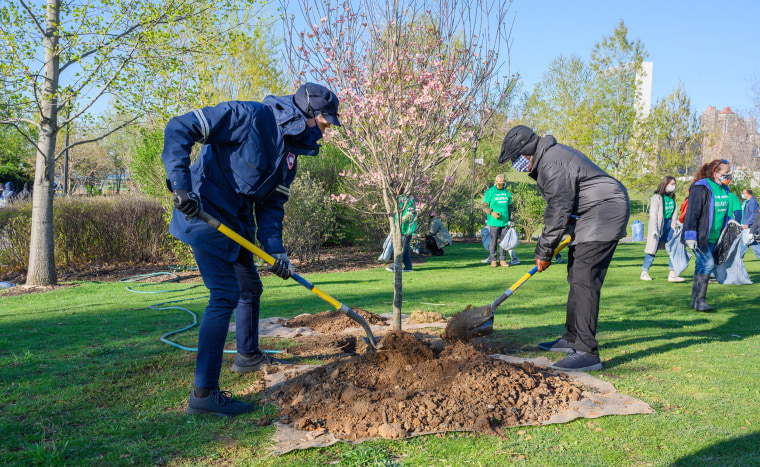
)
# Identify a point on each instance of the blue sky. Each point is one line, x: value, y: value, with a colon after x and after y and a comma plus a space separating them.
x: 710, y: 46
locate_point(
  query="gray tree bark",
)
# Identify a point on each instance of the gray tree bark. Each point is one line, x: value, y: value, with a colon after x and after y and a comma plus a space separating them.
x: 41, y: 246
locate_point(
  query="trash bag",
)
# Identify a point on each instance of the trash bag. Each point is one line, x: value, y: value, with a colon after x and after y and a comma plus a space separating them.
x: 485, y: 237
x: 677, y: 251
x: 387, y: 249
x: 732, y: 270
x: 510, y: 240
x: 728, y: 236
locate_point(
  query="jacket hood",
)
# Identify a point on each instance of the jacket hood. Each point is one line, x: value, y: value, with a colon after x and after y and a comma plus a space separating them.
x: 8, y: 186
x: 26, y: 186
x: 291, y: 122
x: 544, y: 143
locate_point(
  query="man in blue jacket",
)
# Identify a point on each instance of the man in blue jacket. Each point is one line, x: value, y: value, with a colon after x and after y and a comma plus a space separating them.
x: 242, y: 177
x: 749, y: 214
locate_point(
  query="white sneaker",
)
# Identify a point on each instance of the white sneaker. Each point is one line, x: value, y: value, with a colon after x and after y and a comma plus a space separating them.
x: 673, y: 278
x: 645, y: 276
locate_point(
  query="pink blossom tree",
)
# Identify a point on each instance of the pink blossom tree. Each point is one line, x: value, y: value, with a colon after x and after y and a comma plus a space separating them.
x: 417, y: 80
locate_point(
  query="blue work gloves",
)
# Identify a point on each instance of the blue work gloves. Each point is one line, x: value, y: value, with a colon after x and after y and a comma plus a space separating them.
x: 187, y: 202
x: 281, y: 266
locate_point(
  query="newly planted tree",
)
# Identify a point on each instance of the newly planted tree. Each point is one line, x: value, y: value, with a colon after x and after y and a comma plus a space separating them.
x: 416, y: 80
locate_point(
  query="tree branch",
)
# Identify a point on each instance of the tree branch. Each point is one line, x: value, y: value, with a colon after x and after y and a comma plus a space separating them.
x: 34, y: 18
x: 92, y: 140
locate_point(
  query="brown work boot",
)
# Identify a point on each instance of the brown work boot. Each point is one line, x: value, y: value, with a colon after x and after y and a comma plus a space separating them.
x: 494, y: 264
x: 503, y: 264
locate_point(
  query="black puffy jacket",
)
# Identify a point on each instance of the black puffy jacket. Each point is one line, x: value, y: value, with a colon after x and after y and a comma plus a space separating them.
x: 572, y: 185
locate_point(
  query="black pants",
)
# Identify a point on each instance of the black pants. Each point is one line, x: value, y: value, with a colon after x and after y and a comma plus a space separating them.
x: 432, y: 246
x: 587, y: 265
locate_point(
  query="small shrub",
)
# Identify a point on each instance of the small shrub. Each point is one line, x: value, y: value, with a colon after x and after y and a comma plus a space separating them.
x: 308, y: 218
x: 89, y: 231
x: 529, y: 209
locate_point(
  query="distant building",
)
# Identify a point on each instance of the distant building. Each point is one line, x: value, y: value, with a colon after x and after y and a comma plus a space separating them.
x: 726, y: 135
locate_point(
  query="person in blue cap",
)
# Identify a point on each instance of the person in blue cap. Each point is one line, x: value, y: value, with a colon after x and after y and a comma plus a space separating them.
x: 241, y: 177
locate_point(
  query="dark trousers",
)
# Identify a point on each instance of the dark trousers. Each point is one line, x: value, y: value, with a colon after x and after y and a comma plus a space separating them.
x: 233, y: 286
x: 587, y: 265
x: 432, y: 246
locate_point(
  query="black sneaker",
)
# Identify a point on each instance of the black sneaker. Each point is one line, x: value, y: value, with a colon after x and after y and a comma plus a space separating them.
x: 579, y: 361
x: 254, y: 362
x: 219, y: 403
x: 559, y: 345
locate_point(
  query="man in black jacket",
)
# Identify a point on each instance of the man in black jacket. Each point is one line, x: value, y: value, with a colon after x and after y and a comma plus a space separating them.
x: 573, y: 187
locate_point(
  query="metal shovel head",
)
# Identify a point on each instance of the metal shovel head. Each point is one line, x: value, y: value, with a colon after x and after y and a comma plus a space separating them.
x: 468, y: 324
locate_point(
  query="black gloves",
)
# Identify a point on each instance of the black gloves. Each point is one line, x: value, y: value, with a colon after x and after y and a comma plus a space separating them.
x: 187, y: 202
x: 281, y: 266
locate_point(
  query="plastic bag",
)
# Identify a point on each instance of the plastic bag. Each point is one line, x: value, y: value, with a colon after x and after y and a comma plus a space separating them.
x: 732, y: 270
x: 485, y: 237
x: 510, y: 240
x: 728, y: 236
x: 387, y: 249
x: 679, y: 254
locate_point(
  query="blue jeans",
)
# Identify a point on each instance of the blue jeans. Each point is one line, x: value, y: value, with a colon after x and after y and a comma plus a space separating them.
x: 705, y: 263
x: 667, y: 235
x: 233, y: 286
x: 407, y: 254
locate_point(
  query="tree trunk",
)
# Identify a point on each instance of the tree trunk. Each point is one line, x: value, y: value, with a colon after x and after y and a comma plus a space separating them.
x: 398, y: 255
x: 41, y: 246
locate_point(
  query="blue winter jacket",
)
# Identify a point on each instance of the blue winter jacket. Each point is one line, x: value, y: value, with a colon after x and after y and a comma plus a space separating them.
x: 699, y: 214
x: 243, y: 173
x: 9, y: 192
x: 750, y: 211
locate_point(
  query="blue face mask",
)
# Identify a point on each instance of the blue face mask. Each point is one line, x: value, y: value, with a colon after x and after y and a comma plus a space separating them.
x: 311, y: 136
x: 521, y: 163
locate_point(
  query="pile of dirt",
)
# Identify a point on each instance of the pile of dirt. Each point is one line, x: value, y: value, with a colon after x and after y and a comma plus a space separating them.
x: 421, y: 317
x: 328, y: 322
x: 407, y: 389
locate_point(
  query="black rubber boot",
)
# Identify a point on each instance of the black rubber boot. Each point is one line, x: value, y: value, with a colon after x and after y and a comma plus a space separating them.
x: 701, y: 293
x: 694, y: 287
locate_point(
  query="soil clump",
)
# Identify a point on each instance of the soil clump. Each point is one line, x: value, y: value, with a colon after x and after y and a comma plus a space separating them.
x: 328, y: 322
x: 421, y: 317
x: 408, y: 388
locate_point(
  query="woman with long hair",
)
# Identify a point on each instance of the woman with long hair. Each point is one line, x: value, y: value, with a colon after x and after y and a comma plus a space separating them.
x: 662, y: 223
x: 706, y: 216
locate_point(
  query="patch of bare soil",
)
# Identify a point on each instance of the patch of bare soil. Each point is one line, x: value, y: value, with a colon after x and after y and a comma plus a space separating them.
x: 422, y: 317
x: 326, y: 348
x: 328, y: 322
x: 23, y: 289
x: 407, y: 388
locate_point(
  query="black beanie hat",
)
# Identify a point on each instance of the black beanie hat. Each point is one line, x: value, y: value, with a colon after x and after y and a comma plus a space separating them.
x: 520, y: 140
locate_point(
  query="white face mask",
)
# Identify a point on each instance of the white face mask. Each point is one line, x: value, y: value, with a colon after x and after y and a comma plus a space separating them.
x: 670, y: 188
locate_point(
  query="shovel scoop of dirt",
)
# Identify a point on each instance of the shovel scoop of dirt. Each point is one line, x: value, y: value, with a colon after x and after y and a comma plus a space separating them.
x: 469, y: 323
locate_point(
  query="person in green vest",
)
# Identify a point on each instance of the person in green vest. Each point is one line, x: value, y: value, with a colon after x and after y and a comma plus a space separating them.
x: 707, y: 214
x: 662, y: 224
x: 498, y: 206
x: 408, y: 209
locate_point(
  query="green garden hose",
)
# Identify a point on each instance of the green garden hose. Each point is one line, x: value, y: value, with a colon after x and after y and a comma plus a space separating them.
x: 159, y: 306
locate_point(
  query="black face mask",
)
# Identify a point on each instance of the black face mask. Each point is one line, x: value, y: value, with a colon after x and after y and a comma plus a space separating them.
x: 310, y: 136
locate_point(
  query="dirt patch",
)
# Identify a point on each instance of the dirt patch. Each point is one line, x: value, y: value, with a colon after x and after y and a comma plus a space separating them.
x: 420, y: 317
x: 325, y: 348
x: 23, y: 289
x: 407, y: 389
x: 328, y: 322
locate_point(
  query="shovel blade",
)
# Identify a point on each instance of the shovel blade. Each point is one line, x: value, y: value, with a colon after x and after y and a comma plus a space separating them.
x: 470, y: 323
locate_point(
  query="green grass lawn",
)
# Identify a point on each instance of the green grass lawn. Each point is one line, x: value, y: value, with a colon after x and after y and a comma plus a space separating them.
x: 85, y: 380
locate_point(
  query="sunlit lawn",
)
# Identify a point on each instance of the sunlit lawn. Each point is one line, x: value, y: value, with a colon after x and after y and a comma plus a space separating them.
x: 85, y: 380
